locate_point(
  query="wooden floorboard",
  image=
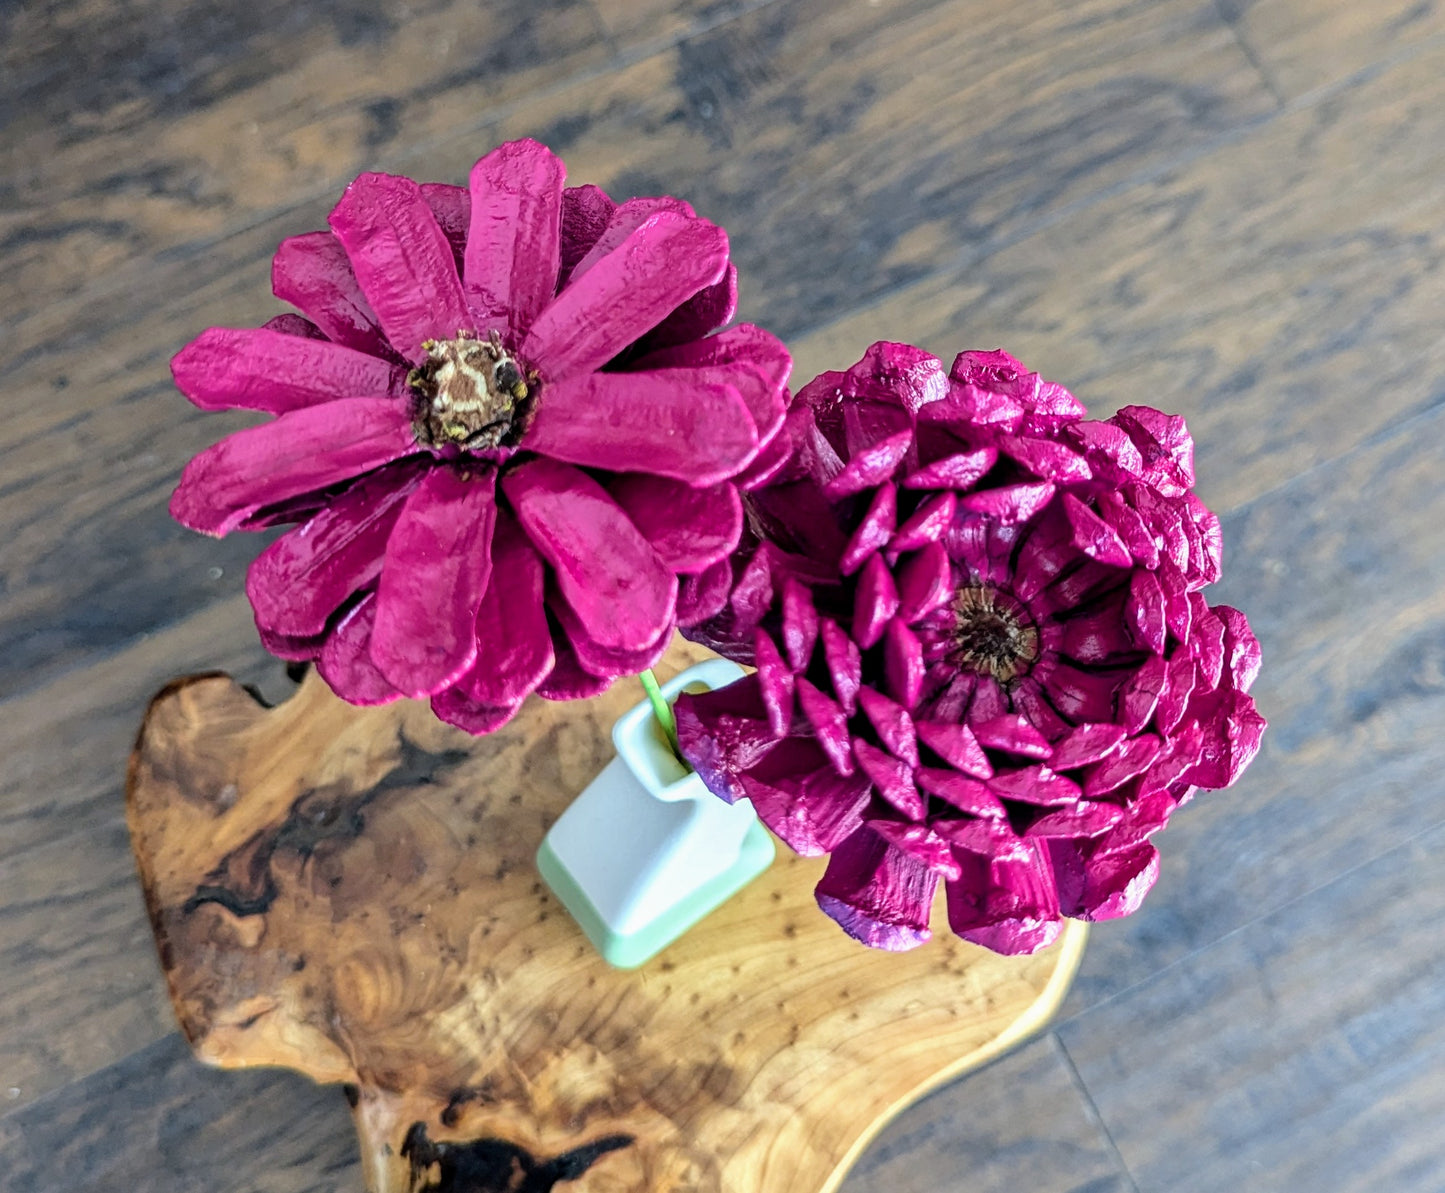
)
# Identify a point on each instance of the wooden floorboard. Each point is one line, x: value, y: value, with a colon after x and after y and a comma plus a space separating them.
x: 79, y: 984
x: 1304, y: 1052
x: 1343, y: 573
x: 160, y: 1123
x: 1282, y: 290
x: 65, y: 745
x: 1228, y: 208
x: 1302, y: 45
x: 1019, y: 1124
x: 839, y: 177
x: 136, y: 130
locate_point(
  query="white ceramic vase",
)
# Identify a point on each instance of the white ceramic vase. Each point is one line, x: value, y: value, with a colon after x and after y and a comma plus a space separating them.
x: 646, y: 850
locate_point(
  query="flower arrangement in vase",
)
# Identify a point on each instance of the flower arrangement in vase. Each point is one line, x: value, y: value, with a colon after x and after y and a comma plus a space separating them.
x: 519, y: 446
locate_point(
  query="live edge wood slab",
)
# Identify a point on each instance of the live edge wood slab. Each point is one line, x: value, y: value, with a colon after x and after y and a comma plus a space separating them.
x: 351, y: 893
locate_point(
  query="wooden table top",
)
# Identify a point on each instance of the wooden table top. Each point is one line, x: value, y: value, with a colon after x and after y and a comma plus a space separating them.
x: 1231, y: 209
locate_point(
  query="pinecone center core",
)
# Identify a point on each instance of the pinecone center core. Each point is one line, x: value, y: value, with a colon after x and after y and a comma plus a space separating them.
x: 470, y: 392
x: 993, y: 634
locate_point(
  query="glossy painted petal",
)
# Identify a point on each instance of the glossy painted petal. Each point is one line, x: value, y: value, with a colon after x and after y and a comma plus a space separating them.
x: 567, y: 680
x: 961, y: 470
x: 800, y: 624
x: 1011, y: 503
x: 892, y: 779
x: 1233, y: 729
x: 1046, y: 459
x: 878, y: 894
x: 927, y: 523
x: 1077, y: 822
x: 970, y: 405
x: 1130, y: 761
x: 302, y: 578
x: 1085, y: 744
x: 514, y: 239
x: 1093, y: 536
x: 402, y: 261
x: 830, y: 725
x: 754, y: 362
x: 605, y: 569
x: 1012, y: 734
x: 604, y: 660
x: 665, y: 423
x: 689, y: 528
x: 996, y: 372
x: 514, y: 641
x: 255, y: 369
x: 293, y: 650
x: 627, y: 218
x: 313, y: 273
x: 1054, y: 405
x: 289, y: 324
x: 1029, y: 701
x: 873, y: 530
x: 438, y: 561
x: 707, y: 310
x: 724, y: 734
x: 892, y: 723
x: 924, y: 581
x: 1008, y: 904
x: 298, y: 453
x: 345, y: 661
x: 965, y: 794
x: 456, y: 707
x: 772, y: 460
x: 586, y: 212
x: 1117, y: 882
x: 956, y: 745
x: 903, y: 664
x: 1178, y: 610
x: 1140, y: 695
x: 845, y: 663
x: 1145, y: 609
x: 775, y: 682
x: 899, y: 374
x: 1130, y: 527
x: 875, y: 603
x: 988, y: 837
x: 1111, y: 453
x: 1208, y: 561
x: 1178, y: 688
x: 799, y: 795
x: 1034, y: 785
x: 870, y: 467
x: 1241, y: 648
x: 662, y: 264
x: 451, y: 206
x: 919, y: 842
x: 1164, y: 442
x: 703, y: 595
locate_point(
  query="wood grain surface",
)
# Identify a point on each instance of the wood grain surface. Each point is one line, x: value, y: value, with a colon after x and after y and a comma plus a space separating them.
x: 350, y: 893
x: 1231, y: 209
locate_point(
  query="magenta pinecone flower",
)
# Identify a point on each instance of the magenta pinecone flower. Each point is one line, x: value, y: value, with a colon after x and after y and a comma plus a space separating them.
x: 982, y: 652
x: 503, y: 428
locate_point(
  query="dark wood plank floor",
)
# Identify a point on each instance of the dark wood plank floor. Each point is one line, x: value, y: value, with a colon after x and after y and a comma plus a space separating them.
x: 1234, y: 209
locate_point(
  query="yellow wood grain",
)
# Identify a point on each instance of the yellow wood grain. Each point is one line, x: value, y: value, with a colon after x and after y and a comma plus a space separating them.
x: 351, y: 893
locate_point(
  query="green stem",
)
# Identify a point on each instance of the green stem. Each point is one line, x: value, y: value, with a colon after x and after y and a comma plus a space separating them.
x: 662, y: 710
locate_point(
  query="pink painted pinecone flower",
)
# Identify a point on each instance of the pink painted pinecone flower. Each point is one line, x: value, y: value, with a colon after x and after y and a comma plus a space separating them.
x: 502, y: 427
x: 982, y: 652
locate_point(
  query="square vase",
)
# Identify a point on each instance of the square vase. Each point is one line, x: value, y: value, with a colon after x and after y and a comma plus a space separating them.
x: 646, y: 850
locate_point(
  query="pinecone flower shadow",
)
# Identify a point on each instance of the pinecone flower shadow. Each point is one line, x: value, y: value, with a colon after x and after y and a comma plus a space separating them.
x: 983, y: 656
